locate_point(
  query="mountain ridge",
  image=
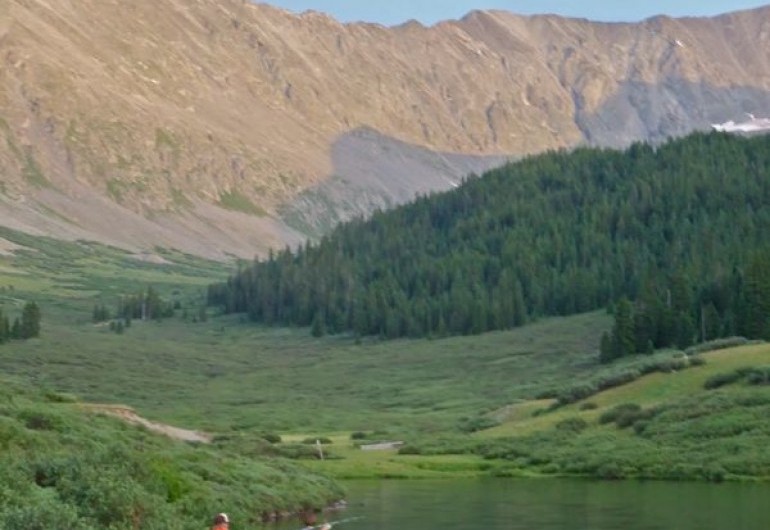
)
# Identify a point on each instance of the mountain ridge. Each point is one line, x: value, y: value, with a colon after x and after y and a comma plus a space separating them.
x: 195, y: 125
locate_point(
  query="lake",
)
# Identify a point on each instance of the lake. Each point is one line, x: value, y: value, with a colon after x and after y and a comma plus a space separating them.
x: 546, y: 504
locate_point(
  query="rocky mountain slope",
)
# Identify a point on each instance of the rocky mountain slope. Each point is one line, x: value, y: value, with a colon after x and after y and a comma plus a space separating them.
x: 224, y: 127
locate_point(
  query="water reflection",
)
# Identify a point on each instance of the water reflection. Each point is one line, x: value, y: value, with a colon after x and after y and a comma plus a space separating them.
x: 505, y: 504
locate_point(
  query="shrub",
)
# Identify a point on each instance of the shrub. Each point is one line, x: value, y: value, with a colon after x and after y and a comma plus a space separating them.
x: 552, y: 469
x: 41, y: 420
x: 410, y: 450
x: 714, y: 473
x: 296, y: 451
x: 718, y: 344
x: 358, y: 435
x: 547, y: 394
x: 629, y: 418
x: 611, y: 471
x: 588, y: 405
x: 59, y: 397
x: 42, y: 511
x: 271, y: 437
x: 618, y: 379
x: 317, y: 439
x: 671, y: 365
x: 759, y: 376
x: 576, y: 393
x: 572, y: 425
x: 720, y: 380
x: 478, y: 423
x: 616, y: 412
x: 640, y: 427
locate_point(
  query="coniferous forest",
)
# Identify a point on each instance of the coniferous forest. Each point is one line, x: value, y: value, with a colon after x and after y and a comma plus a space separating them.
x: 670, y: 236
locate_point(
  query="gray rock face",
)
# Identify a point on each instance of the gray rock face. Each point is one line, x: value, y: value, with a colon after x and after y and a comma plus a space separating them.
x: 373, y: 171
x: 673, y: 108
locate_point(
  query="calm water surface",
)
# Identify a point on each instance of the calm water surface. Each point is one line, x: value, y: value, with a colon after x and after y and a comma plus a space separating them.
x: 497, y: 504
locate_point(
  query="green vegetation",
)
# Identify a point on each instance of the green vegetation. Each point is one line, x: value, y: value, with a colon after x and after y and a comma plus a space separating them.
x: 752, y: 375
x: 25, y: 327
x: 464, y: 405
x: 555, y: 234
x: 165, y: 139
x: 179, y: 199
x: 116, y: 189
x: 65, y: 468
x: 32, y: 172
x: 534, y: 400
x: 726, y: 304
x: 661, y: 426
x: 236, y: 201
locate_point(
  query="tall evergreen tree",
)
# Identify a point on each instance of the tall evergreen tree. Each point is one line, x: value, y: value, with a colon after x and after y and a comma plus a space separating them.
x: 29, y: 326
x: 623, y: 329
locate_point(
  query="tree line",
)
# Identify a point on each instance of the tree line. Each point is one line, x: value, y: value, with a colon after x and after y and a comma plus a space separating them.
x: 554, y: 234
x: 146, y: 304
x: 26, y: 326
x: 678, y: 314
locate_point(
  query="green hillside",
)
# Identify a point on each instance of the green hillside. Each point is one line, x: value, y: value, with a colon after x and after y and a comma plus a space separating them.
x: 674, y: 426
x: 554, y: 234
x: 63, y: 467
x: 468, y: 405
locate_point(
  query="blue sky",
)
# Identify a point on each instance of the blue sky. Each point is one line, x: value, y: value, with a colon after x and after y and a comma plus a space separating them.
x: 391, y: 12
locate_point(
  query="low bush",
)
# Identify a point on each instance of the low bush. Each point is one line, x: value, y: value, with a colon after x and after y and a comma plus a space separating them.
x: 476, y: 424
x: 618, y: 411
x: 296, y: 451
x: 547, y: 394
x: 410, y: 450
x: 617, y: 379
x: 574, y: 424
x: 576, y: 393
x: 317, y: 439
x: 621, y: 377
x: 271, y: 437
x: 723, y: 379
x: 60, y: 397
x: 718, y: 344
x: 759, y: 376
x: 750, y: 375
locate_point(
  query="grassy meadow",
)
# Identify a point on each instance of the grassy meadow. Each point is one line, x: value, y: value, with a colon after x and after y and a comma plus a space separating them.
x: 227, y: 375
x: 464, y: 406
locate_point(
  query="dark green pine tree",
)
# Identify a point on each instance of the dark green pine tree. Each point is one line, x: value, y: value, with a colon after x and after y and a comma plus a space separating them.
x: 623, y: 329
x: 16, y: 329
x: 318, y: 328
x: 606, y: 351
x: 29, y: 326
x: 756, y: 297
x: 5, y: 328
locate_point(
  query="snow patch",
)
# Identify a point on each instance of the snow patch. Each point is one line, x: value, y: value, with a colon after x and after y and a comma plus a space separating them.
x: 753, y: 124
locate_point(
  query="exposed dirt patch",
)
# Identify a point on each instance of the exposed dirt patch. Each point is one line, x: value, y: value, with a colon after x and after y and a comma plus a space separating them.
x: 129, y: 415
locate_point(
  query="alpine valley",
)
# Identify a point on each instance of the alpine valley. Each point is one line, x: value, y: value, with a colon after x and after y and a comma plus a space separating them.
x: 596, y: 304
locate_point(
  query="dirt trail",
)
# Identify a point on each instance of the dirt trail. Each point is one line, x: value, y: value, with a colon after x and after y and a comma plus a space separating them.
x: 128, y: 415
